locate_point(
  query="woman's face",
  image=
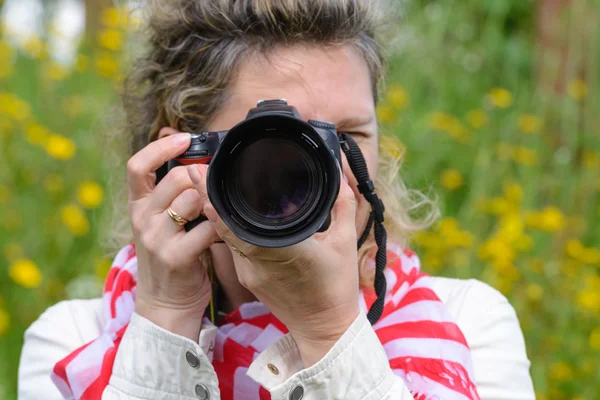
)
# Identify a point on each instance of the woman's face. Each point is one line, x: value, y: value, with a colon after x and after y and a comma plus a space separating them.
x: 329, y: 84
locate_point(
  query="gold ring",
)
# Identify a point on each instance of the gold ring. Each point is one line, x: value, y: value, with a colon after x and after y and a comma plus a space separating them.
x: 238, y: 251
x: 178, y: 219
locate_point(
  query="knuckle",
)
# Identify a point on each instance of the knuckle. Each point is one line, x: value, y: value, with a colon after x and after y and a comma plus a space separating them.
x: 148, y: 242
x: 179, y: 177
x: 134, y: 168
x: 137, y: 221
x: 167, y: 259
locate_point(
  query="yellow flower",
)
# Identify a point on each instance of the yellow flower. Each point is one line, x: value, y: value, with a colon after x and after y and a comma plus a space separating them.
x: 56, y: 72
x: 595, y: 339
x: 90, y: 194
x: 107, y: 65
x: 529, y: 123
x: 112, y: 17
x: 450, y: 124
x: 552, y: 219
x: 591, y: 160
x: 498, y: 206
x: 440, y: 121
x: 589, y: 300
x: 497, y: 250
x: 25, y: 273
x: 501, y: 98
x: 73, y: 218
x: 460, y: 239
x: 111, y: 39
x: 513, y: 192
x: 534, y: 292
x: 60, y: 147
x: 511, y: 228
x: 392, y: 146
x: 561, y: 371
x: 34, y: 47
x: 385, y: 113
x: 12, y: 252
x: 525, y: 156
x: 6, y: 62
x: 36, y: 134
x: 577, y: 89
x: 524, y: 243
x: 574, y: 248
x: 4, y: 322
x: 397, y: 97
x: 15, y: 107
x: 451, y: 179
x: 591, y: 256
x: 82, y: 63
x: 54, y: 183
x: 477, y: 118
x: 450, y: 234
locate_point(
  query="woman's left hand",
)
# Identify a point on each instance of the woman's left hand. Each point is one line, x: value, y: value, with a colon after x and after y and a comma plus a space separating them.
x: 312, y: 287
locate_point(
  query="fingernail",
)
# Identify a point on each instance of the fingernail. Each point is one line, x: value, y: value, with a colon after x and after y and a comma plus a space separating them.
x: 181, y: 138
x: 210, y: 213
x: 194, y: 174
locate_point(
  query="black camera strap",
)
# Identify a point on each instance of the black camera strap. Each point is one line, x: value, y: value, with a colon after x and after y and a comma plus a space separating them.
x: 367, y: 188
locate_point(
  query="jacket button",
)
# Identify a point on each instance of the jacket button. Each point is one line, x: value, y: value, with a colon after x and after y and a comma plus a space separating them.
x: 297, y: 393
x: 202, y: 392
x: 192, y: 359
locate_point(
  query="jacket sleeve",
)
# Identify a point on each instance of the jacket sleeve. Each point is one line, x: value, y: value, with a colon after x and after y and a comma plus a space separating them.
x: 492, y: 329
x: 61, y: 329
x: 153, y: 363
x: 355, y: 368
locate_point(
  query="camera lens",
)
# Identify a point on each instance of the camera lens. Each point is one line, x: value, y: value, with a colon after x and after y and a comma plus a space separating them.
x: 275, y: 182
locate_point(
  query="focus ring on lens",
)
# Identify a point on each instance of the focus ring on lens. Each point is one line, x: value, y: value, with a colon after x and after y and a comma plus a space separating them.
x: 321, y: 124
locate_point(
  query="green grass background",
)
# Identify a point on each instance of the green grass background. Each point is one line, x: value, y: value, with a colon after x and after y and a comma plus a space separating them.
x: 488, y: 122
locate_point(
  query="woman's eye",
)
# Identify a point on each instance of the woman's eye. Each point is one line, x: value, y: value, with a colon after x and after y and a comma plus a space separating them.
x: 359, y: 135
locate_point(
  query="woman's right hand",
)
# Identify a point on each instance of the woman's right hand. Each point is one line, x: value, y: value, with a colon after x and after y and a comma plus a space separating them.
x: 173, y: 288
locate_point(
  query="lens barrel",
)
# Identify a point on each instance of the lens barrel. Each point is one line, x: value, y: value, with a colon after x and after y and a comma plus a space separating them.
x: 274, y: 179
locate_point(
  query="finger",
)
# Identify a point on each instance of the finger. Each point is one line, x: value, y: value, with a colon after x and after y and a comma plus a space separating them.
x: 200, y: 238
x: 226, y: 234
x: 141, y: 167
x: 187, y: 205
x: 197, y: 174
x: 171, y: 186
x: 343, y: 214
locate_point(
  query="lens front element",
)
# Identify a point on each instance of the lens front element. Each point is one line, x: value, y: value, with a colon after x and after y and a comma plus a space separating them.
x: 275, y: 182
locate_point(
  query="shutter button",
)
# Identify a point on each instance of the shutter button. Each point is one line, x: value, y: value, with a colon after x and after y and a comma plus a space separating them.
x: 297, y: 393
x: 202, y: 392
x: 192, y: 359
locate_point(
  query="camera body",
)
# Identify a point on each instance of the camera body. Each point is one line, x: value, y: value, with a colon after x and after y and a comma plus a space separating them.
x: 273, y: 178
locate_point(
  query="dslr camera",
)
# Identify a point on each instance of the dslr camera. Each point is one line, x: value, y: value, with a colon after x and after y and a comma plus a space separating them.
x: 273, y: 178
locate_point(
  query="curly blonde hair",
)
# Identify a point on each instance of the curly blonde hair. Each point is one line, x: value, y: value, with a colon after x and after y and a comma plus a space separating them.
x: 194, y: 47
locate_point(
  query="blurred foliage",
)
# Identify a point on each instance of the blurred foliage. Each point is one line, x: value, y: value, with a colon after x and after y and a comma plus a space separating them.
x: 484, y: 115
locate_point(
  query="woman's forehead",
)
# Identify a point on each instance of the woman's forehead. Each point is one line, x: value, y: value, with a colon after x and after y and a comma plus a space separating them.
x: 331, y: 84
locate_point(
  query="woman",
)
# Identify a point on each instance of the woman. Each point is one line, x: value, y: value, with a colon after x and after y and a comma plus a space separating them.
x: 208, y: 63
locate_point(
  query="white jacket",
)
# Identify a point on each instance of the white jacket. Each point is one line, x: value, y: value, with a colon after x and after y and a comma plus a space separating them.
x: 155, y: 364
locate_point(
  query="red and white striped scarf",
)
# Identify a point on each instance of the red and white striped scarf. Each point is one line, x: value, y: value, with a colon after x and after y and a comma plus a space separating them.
x: 424, y: 346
